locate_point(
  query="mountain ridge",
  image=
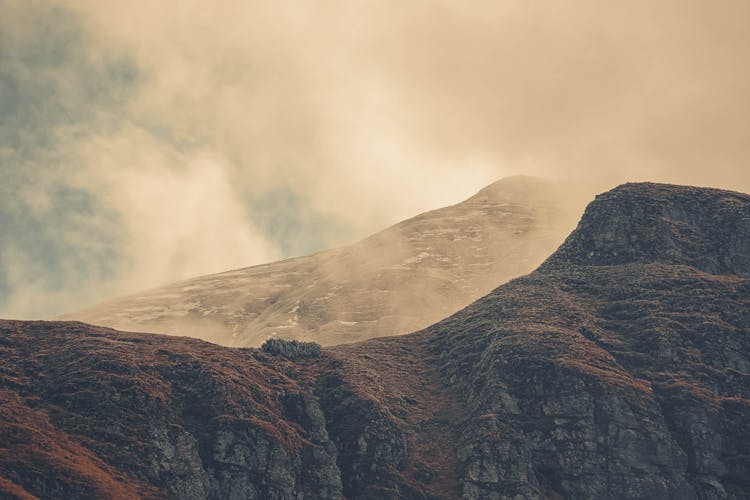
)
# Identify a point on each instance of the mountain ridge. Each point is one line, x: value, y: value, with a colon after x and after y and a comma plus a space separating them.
x: 579, y: 380
x: 398, y: 280
x: 676, y: 225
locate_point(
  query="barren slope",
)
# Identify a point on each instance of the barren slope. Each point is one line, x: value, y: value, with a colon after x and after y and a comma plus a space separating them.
x: 399, y: 280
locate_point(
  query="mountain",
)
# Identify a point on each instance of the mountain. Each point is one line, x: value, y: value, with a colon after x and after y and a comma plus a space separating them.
x: 620, y: 368
x: 396, y: 281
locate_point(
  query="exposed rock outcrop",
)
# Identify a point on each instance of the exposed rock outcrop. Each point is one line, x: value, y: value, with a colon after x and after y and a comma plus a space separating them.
x: 708, y: 229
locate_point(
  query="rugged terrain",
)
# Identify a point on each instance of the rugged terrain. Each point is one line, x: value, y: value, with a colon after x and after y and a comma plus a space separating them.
x: 396, y: 281
x: 618, y: 369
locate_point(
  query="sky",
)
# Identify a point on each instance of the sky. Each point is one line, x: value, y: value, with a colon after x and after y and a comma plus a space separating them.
x: 145, y: 142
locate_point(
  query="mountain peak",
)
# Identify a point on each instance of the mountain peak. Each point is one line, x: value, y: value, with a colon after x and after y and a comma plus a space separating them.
x: 705, y: 228
x: 518, y: 189
x: 401, y: 279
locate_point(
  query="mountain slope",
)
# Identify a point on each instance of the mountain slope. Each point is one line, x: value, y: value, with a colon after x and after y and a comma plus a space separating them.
x: 621, y: 368
x: 587, y: 378
x: 399, y: 280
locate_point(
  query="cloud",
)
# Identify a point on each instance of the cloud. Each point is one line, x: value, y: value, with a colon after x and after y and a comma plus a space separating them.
x: 289, y: 95
x: 57, y: 239
x: 346, y: 99
x: 180, y: 212
x: 209, y: 135
x: 95, y: 200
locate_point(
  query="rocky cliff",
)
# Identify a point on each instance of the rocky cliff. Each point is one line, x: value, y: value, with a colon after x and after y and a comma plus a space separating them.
x: 396, y: 281
x: 619, y: 369
x: 708, y: 229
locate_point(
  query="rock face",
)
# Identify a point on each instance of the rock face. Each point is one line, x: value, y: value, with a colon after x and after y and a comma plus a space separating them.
x: 621, y: 368
x: 89, y: 412
x: 620, y: 382
x: 396, y: 281
x: 654, y: 223
x: 596, y: 376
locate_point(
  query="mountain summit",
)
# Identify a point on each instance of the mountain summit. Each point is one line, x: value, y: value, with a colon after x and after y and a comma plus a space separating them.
x: 708, y: 229
x: 396, y: 281
x: 595, y: 376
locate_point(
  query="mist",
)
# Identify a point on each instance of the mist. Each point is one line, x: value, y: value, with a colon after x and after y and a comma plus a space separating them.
x: 144, y: 143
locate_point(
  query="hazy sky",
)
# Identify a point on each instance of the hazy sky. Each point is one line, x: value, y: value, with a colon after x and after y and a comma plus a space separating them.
x: 144, y: 142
